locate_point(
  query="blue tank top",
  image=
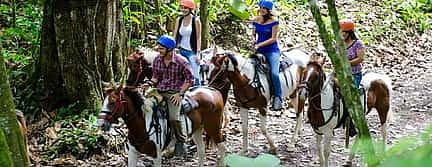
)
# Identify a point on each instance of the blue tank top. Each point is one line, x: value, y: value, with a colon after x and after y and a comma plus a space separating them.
x: 264, y: 32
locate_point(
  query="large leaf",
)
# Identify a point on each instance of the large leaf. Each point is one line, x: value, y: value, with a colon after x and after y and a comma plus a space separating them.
x: 267, y: 160
x: 239, y: 9
x: 234, y: 160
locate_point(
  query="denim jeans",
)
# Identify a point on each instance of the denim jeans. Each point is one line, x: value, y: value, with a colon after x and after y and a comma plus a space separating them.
x: 273, y: 61
x: 357, y: 79
x: 190, y: 56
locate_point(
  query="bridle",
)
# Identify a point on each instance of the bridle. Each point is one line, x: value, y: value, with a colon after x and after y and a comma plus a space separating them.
x: 225, y: 81
x: 120, y: 104
x: 306, y: 85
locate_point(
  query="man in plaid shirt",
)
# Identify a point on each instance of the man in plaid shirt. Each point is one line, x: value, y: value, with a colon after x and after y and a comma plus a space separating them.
x: 173, y: 75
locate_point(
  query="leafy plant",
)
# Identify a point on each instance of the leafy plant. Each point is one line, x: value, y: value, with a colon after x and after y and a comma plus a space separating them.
x: 413, y: 151
x: 415, y: 13
x: 78, y: 136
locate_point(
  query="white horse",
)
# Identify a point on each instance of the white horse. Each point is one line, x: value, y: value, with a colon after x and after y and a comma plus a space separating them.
x: 240, y: 72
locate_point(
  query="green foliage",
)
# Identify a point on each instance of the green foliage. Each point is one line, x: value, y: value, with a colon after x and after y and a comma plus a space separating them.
x: 267, y: 160
x: 78, y: 136
x: 413, y: 151
x: 20, y: 45
x: 239, y: 9
x: 416, y: 13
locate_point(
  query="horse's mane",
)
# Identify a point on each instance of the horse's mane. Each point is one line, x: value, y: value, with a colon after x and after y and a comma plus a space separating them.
x: 233, y: 59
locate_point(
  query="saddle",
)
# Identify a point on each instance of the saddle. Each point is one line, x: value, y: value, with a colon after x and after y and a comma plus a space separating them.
x: 187, y: 103
x: 262, y: 67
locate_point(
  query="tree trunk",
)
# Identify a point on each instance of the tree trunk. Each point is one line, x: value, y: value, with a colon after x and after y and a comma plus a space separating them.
x: 9, y: 125
x: 342, y: 68
x: 82, y: 44
x: 204, y: 23
x: 13, y: 13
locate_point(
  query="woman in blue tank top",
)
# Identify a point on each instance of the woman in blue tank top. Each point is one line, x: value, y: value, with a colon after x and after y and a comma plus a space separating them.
x: 266, y: 26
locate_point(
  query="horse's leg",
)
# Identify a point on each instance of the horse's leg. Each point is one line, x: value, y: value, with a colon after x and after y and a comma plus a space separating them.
x: 132, y: 156
x: 353, y: 151
x: 263, y: 127
x: 169, y: 150
x: 327, y: 148
x: 226, y: 115
x: 158, y: 160
x: 319, y: 147
x: 383, y: 109
x: 198, y: 139
x: 244, y: 119
x: 299, y: 121
x: 222, y: 151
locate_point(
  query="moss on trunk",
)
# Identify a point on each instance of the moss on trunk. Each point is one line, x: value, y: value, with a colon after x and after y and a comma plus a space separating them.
x: 5, y: 159
x: 8, y: 121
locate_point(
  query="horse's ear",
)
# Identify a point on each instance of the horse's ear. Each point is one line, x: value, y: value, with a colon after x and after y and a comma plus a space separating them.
x: 108, y: 87
x: 131, y: 50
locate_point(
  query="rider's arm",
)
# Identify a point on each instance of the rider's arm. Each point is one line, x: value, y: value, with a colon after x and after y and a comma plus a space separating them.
x: 359, y: 58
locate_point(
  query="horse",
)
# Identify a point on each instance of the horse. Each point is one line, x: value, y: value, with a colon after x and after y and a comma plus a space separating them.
x: 326, y: 106
x: 228, y: 68
x: 139, y: 63
x: 148, y: 131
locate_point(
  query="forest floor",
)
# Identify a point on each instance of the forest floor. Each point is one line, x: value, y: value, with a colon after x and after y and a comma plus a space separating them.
x: 405, y: 56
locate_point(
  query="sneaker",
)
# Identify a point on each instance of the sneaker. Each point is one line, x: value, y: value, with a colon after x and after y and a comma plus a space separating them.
x: 277, y: 104
x: 180, y: 149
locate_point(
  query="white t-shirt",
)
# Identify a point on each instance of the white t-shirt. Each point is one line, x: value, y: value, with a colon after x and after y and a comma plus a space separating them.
x: 185, y: 32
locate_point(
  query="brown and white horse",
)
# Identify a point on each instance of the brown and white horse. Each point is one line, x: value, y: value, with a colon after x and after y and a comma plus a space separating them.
x: 326, y: 107
x: 228, y: 68
x: 144, y: 127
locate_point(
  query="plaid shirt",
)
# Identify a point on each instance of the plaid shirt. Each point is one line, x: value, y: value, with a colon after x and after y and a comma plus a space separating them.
x: 175, y: 75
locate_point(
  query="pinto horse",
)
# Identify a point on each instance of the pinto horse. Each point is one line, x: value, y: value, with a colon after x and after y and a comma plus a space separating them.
x: 326, y: 107
x: 148, y: 131
x: 228, y: 69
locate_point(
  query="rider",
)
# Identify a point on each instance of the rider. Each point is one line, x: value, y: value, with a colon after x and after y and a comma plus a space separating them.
x: 173, y: 75
x: 355, y: 49
x: 187, y: 33
x: 266, y: 25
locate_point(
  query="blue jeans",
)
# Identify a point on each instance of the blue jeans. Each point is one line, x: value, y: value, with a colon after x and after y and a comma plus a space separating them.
x: 273, y: 61
x: 357, y: 79
x: 190, y: 56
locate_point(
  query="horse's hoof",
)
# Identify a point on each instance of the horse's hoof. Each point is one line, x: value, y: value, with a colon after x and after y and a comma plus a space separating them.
x: 221, y: 164
x: 273, y: 151
x: 347, y: 164
x: 294, y: 140
x: 168, y: 154
x: 243, y: 152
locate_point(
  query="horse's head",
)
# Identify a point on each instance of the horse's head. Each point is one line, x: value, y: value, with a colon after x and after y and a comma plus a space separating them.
x: 220, y: 65
x: 114, y: 106
x: 313, y: 79
x: 139, y: 63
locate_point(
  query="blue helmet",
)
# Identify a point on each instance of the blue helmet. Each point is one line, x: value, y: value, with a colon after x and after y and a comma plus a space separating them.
x: 167, y: 41
x: 266, y: 4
